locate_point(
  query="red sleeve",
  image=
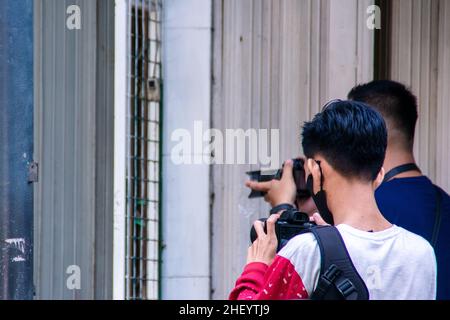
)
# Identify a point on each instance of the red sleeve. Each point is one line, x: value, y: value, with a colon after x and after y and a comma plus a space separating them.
x: 280, y: 281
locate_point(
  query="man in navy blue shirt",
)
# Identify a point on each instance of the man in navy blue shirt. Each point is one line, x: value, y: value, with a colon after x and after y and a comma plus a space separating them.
x: 407, y: 198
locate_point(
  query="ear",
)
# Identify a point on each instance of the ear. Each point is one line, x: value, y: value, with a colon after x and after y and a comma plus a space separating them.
x: 379, y: 180
x: 314, y: 169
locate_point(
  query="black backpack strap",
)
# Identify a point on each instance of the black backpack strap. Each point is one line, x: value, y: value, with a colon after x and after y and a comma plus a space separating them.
x: 339, y: 279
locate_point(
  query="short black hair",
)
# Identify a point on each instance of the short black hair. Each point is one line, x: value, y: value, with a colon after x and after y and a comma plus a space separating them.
x: 350, y: 135
x: 394, y: 101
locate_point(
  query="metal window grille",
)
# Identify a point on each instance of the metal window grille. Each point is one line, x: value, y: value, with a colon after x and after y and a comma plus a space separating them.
x: 143, y: 149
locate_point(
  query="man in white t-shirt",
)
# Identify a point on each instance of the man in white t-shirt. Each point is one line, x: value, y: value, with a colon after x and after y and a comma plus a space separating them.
x: 345, y: 147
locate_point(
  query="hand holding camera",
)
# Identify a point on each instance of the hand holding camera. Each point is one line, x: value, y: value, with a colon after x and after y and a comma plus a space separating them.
x: 280, y: 187
x: 284, y: 188
x: 265, y: 244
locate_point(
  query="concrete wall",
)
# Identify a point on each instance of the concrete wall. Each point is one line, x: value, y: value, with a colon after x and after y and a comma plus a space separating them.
x: 185, y: 188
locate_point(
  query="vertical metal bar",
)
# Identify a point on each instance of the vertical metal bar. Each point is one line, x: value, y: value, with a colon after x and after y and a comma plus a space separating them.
x: 121, y: 104
x: 158, y: 72
x: 151, y: 208
x: 133, y: 134
x: 141, y: 154
x: 16, y: 149
x: 128, y: 143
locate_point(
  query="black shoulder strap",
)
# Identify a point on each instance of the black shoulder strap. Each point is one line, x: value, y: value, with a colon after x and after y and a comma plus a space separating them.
x: 438, y: 217
x: 339, y: 278
x: 400, y: 169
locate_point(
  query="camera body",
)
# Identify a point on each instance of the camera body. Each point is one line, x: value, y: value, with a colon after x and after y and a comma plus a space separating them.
x: 299, y: 178
x: 291, y: 223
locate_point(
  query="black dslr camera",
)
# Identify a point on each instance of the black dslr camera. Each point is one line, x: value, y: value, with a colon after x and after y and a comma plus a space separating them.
x: 299, y: 178
x: 290, y: 224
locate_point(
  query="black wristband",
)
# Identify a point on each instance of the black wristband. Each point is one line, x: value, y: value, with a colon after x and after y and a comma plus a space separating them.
x: 281, y: 207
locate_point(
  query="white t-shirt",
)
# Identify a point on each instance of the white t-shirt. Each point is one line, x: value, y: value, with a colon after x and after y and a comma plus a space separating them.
x: 395, y: 264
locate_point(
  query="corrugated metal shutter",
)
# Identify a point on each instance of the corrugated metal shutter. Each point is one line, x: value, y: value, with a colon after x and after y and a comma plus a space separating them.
x: 73, y: 120
x: 420, y: 59
x: 275, y: 64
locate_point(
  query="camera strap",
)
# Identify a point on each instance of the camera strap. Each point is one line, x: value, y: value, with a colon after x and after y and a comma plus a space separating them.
x: 400, y: 169
x: 339, y: 279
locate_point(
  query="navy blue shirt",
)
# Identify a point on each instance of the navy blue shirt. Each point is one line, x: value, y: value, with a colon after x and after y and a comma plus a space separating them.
x: 411, y: 204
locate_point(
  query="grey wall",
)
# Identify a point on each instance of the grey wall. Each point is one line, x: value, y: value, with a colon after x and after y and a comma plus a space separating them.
x: 73, y: 145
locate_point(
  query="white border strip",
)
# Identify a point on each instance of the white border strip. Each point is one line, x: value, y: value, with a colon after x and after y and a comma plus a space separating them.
x: 120, y: 103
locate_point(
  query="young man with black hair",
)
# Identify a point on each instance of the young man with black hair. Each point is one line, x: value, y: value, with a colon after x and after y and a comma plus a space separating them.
x: 407, y: 197
x: 345, y: 148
